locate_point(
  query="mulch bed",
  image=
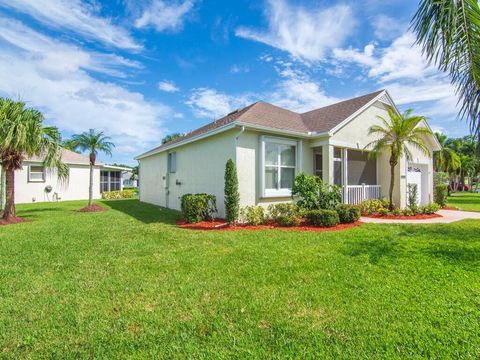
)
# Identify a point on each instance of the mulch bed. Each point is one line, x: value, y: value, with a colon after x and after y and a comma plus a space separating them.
x: 221, y: 225
x: 93, y: 208
x: 403, y: 217
x: 12, y: 220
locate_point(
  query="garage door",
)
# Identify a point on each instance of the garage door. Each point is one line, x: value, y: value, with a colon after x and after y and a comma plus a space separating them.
x: 414, y: 176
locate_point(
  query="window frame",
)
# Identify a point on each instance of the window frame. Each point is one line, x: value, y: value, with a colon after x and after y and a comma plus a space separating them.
x: 172, y: 162
x: 42, y: 180
x: 279, y: 192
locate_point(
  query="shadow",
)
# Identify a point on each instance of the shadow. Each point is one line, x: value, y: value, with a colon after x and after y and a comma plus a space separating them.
x: 456, y: 254
x: 146, y: 213
x: 376, y: 250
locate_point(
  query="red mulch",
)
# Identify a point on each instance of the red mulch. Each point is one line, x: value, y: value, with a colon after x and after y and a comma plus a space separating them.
x: 93, y: 208
x: 403, y: 217
x: 221, y: 225
x: 12, y: 220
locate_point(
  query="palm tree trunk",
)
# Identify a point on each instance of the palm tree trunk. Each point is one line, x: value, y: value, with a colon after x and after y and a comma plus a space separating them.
x: 90, y: 187
x: 393, y: 163
x: 10, y: 194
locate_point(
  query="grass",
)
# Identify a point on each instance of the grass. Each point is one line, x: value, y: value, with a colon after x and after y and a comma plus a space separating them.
x: 465, y: 201
x: 127, y: 283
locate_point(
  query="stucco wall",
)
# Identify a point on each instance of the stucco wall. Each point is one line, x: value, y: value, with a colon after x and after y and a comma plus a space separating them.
x: 74, y: 188
x: 200, y: 169
x: 248, y: 160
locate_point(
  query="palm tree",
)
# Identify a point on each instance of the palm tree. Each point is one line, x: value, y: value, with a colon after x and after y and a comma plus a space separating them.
x: 171, y: 137
x: 93, y: 142
x: 398, y: 131
x: 23, y: 134
x: 449, y: 33
x: 446, y: 159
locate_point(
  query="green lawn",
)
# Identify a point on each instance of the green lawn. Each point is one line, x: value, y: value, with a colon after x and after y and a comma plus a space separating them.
x: 127, y: 283
x: 465, y: 201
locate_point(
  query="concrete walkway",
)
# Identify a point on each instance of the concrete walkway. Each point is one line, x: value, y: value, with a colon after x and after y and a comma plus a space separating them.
x: 448, y: 216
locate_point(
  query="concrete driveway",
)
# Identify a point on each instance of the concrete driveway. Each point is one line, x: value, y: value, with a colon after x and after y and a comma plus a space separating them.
x: 448, y: 216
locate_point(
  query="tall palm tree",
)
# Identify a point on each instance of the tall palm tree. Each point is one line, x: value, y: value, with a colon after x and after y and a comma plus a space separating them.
x: 23, y: 134
x: 93, y: 142
x: 449, y: 33
x: 446, y: 159
x: 394, y: 135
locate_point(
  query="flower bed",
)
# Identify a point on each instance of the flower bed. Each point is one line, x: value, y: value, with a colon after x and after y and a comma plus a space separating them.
x: 376, y: 215
x: 222, y: 225
x: 93, y: 208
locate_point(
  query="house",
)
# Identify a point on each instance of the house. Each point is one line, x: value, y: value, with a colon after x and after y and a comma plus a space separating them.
x: 35, y: 183
x: 270, y: 145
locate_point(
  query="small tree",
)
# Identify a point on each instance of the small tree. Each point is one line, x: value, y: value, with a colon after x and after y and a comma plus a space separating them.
x: 232, y: 196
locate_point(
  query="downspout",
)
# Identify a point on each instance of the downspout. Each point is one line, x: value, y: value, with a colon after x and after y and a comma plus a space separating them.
x: 242, y: 130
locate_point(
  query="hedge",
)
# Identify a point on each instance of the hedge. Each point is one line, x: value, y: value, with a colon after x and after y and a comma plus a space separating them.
x: 119, y: 194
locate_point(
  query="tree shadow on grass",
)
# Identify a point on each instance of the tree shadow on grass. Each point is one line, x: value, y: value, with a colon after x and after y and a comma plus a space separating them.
x: 146, y: 213
x: 376, y: 250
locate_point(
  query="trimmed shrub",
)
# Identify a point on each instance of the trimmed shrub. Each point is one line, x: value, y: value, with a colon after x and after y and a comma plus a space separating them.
x: 383, y: 211
x: 123, y: 194
x: 412, y: 197
x: 348, y: 213
x: 253, y: 215
x: 408, y: 212
x: 430, y: 208
x: 198, y: 207
x: 288, y: 220
x: 281, y: 209
x: 440, y: 195
x: 397, y: 212
x: 323, y: 218
x: 371, y: 206
x: 232, y: 196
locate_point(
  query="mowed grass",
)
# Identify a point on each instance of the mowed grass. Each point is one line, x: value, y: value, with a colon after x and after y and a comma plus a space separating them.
x: 466, y: 201
x: 127, y: 283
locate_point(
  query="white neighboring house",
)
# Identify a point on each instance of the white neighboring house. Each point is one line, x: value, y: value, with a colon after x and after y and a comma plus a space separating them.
x: 270, y: 145
x: 35, y: 183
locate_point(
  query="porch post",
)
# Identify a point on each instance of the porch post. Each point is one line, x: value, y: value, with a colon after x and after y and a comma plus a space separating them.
x: 345, y: 174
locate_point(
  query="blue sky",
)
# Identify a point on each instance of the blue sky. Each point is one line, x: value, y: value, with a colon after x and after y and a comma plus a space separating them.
x: 139, y: 70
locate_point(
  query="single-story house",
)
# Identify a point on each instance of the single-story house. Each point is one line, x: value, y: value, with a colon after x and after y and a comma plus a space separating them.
x: 270, y: 145
x: 35, y: 183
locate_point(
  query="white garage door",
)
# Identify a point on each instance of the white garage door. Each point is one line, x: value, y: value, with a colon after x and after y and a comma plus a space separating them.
x: 414, y: 176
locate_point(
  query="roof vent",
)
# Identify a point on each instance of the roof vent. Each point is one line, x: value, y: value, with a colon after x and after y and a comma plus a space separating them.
x: 233, y: 112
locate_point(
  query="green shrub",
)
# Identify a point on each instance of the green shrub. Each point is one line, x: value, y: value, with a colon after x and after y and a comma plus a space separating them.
x: 288, y: 220
x: 440, y: 195
x: 430, y: 208
x: 323, y: 218
x: 440, y: 178
x: 198, y: 207
x: 123, y: 194
x: 383, y: 211
x: 232, y: 196
x: 253, y: 215
x: 281, y: 209
x: 307, y: 188
x: 329, y: 196
x: 408, y: 212
x: 348, y: 213
x: 397, y: 212
x: 371, y: 206
x: 412, y: 197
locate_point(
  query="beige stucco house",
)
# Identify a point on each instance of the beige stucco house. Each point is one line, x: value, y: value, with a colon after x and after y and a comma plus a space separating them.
x: 270, y: 145
x: 35, y: 183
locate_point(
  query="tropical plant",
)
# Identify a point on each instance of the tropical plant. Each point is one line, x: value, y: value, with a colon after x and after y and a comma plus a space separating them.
x: 22, y: 134
x: 397, y: 133
x: 449, y: 33
x: 232, y: 196
x: 92, y: 142
x: 446, y: 159
x: 171, y: 137
x: 307, y: 188
x: 69, y: 144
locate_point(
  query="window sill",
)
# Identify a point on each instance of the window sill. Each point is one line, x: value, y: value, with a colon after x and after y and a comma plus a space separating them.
x: 36, y: 181
x: 277, y: 194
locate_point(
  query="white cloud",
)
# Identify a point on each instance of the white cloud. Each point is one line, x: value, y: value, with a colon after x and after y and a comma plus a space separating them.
x: 54, y: 77
x: 77, y: 16
x: 212, y: 104
x: 168, y: 86
x: 306, y: 33
x: 239, y: 69
x: 162, y: 16
x: 387, y: 28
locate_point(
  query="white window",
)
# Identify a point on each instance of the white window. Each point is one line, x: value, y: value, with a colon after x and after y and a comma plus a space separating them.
x: 279, y: 166
x: 36, y: 173
x: 172, y: 162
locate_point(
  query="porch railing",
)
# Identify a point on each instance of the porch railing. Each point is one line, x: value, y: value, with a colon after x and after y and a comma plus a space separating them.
x: 355, y: 194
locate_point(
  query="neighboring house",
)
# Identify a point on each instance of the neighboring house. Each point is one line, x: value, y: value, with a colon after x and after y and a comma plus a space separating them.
x: 270, y: 145
x: 35, y: 183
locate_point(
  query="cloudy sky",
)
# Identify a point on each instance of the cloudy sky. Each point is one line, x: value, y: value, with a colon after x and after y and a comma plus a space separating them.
x: 140, y: 69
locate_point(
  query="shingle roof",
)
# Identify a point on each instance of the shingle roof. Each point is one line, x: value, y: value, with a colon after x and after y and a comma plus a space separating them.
x: 274, y: 117
x: 68, y: 157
